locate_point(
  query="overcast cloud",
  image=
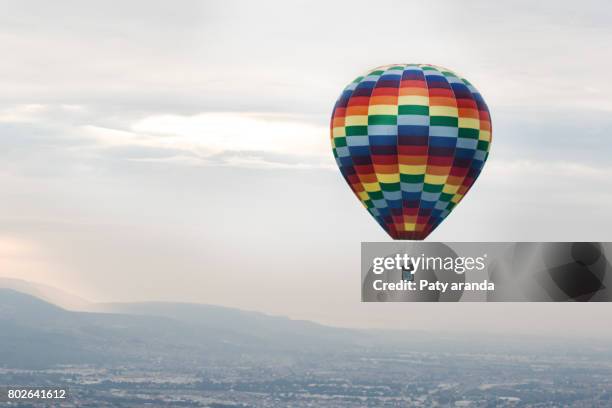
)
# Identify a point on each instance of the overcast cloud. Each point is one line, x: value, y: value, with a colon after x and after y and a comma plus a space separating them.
x: 180, y: 151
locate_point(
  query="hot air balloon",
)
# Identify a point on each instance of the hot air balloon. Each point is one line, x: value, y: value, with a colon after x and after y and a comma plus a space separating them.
x: 410, y: 140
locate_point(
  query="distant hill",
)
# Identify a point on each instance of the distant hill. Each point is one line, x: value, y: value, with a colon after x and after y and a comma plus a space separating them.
x: 48, y: 293
x: 278, y: 331
x: 34, y: 332
x: 26, y: 339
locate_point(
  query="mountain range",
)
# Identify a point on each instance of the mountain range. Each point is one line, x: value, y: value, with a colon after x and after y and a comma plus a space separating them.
x: 41, y: 326
x: 36, y: 332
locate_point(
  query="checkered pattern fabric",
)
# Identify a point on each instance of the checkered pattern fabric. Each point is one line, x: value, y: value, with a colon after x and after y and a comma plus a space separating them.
x: 410, y: 140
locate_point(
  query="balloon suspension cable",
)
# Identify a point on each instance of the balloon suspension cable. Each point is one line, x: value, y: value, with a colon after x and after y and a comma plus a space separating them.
x: 408, y: 273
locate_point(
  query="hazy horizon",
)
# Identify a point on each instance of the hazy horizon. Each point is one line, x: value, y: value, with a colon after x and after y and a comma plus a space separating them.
x: 153, y: 151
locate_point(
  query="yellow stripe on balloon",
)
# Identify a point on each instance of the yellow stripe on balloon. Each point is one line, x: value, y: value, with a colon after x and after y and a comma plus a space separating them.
x: 469, y: 123
x: 413, y: 170
x: 456, y: 198
x: 382, y: 110
x: 485, y: 135
x: 409, y: 227
x: 449, y: 189
x: 388, y: 178
x: 444, y: 111
x: 413, y: 100
x: 431, y: 179
x: 356, y: 120
x: 371, y: 187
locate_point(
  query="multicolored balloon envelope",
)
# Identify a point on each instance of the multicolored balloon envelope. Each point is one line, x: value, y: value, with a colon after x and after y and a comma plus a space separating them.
x: 410, y: 140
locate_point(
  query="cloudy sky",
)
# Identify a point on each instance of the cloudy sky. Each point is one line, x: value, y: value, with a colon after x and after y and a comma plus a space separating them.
x: 180, y: 150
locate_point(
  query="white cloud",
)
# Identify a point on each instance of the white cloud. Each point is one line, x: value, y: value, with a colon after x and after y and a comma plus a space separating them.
x: 22, y: 113
x: 233, y: 131
x: 209, y: 138
x: 223, y: 138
